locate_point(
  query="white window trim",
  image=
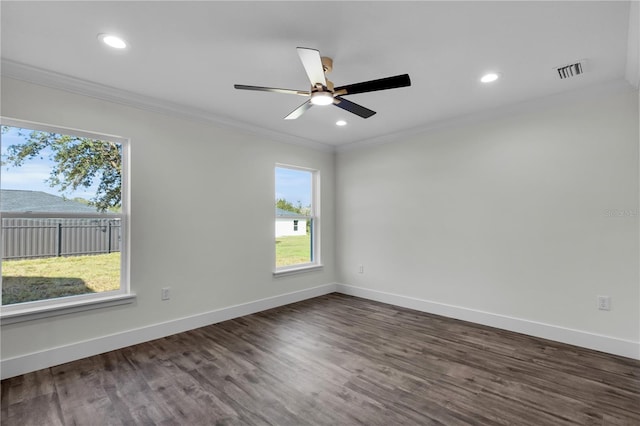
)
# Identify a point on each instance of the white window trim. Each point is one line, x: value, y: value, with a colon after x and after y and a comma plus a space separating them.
x: 39, y: 309
x: 297, y: 269
x: 12, y: 314
x: 315, y: 224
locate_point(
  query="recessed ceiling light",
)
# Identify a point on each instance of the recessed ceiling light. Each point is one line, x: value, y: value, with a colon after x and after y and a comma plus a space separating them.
x: 341, y: 123
x: 113, y: 41
x: 490, y: 77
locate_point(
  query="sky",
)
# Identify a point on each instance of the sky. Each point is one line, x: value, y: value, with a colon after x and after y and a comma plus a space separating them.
x: 293, y: 185
x: 32, y: 175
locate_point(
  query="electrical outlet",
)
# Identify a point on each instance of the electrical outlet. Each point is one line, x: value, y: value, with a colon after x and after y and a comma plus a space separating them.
x: 165, y: 294
x: 604, y: 303
x: 360, y: 269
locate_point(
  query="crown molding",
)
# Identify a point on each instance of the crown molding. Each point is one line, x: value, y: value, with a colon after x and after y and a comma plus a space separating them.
x: 563, y: 98
x: 51, y: 79
x: 54, y: 80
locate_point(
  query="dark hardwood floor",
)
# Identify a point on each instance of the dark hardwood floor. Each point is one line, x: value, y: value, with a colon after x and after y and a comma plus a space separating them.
x: 333, y: 360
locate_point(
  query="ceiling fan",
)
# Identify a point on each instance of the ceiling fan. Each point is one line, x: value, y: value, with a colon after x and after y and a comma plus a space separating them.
x: 322, y: 90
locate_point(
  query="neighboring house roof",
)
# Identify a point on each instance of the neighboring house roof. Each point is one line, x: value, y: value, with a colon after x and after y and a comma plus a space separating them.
x: 289, y: 215
x: 12, y: 200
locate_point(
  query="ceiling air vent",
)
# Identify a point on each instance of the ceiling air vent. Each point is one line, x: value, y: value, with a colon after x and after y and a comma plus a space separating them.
x: 570, y: 70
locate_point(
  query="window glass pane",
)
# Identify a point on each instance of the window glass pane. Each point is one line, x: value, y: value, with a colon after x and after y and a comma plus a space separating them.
x: 57, y: 172
x: 294, y: 216
x: 45, y: 256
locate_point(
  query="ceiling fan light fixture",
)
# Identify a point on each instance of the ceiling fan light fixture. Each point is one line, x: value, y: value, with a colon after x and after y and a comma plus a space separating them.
x: 490, y: 77
x: 341, y: 123
x: 322, y: 98
x: 113, y: 41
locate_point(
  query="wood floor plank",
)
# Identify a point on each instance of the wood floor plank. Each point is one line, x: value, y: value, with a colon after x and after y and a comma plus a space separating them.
x: 334, y: 360
x: 40, y: 410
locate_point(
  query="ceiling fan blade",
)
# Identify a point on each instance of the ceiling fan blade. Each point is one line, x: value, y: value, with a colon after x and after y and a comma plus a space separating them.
x: 353, y: 107
x: 373, y: 85
x: 299, y: 111
x: 273, y: 89
x: 312, y: 64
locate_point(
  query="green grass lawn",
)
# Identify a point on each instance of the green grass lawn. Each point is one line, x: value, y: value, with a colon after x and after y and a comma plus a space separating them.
x: 293, y: 250
x: 26, y: 280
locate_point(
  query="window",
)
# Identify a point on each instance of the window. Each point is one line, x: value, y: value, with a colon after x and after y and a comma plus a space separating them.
x: 63, y: 218
x: 297, y: 220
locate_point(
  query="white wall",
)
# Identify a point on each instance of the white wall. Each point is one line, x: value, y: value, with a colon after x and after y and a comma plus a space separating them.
x: 186, y: 178
x: 632, y: 71
x: 505, y: 220
x: 505, y: 216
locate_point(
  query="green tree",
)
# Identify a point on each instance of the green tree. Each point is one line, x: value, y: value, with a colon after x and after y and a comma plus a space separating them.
x: 283, y: 204
x: 78, y: 163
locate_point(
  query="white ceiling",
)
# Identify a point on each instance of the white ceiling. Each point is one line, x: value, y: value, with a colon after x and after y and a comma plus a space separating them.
x: 190, y: 54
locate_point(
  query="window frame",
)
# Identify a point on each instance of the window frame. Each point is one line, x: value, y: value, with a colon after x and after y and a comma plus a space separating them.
x: 315, y: 227
x: 38, y: 309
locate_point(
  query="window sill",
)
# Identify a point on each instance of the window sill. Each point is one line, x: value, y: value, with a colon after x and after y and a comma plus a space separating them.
x: 63, y: 308
x: 297, y: 270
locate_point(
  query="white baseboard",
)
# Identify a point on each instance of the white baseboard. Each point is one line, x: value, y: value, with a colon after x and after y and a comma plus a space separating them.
x: 36, y: 361
x: 612, y: 345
